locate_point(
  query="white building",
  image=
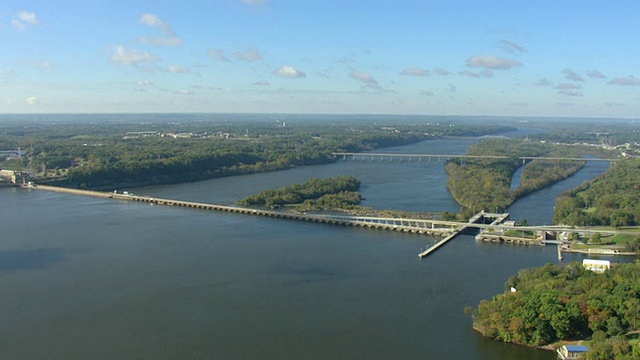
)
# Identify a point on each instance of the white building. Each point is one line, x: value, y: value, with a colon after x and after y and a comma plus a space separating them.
x: 9, y: 175
x: 597, y: 266
x: 571, y: 351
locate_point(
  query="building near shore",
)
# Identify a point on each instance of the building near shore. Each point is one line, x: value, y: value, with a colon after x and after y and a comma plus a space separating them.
x: 597, y: 266
x: 572, y: 352
x: 14, y: 178
x: 11, y: 154
x: 140, y: 134
x: 9, y: 176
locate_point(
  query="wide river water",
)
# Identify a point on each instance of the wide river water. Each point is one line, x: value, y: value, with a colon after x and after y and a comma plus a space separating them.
x: 89, y: 278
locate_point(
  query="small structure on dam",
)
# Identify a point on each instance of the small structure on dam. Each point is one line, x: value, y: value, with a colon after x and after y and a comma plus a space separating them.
x: 480, y: 218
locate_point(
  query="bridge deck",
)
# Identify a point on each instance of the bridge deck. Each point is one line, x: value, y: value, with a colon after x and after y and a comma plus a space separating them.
x: 499, y: 218
x: 392, y: 156
x: 414, y: 226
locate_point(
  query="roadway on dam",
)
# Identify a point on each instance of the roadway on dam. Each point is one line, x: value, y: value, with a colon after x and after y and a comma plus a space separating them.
x: 446, y: 229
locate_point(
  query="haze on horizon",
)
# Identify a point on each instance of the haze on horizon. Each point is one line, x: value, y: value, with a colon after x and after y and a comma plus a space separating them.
x: 532, y: 58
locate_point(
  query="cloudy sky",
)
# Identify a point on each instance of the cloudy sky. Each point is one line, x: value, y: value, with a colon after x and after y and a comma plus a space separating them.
x: 524, y: 58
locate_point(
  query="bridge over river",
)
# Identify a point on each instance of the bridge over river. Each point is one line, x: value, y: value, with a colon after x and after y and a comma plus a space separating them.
x: 446, y: 229
x: 428, y: 157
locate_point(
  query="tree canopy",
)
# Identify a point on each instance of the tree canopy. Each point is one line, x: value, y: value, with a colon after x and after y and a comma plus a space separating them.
x: 611, y: 199
x: 553, y: 303
x: 332, y: 192
x: 110, y: 154
x: 479, y: 184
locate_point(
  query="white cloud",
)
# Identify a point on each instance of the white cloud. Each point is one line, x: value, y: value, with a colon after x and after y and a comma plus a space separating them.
x: 625, y: 81
x: 289, y: 72
x: 178, y: 69
x: 18, y: 24
x: 28, y: 17
x: 261, y: 83
x: 248, y: 55
x: 143, y: 84
x: 130, y: 57
x: 184, y: 92
x: 5, y: 75
x: 483, y: 73
x: 154, y: 21
x: 572, y: 75
x: 443, y: 72
x: 38, y: 64
x: 160, y: 41
x: 363, y: 77
x: 567, y: 86
x: 217, y: 55
x: 428, y: 93
x: 24, y: 18
x: 368, y: 80
x: 511, y: 47
x: 253, y: 2
x: 32, y: 101
x: 595, y: 74
x: 415, y: 72
x: 492, y: 62
x: 542, y: 82
x: 570, y: 93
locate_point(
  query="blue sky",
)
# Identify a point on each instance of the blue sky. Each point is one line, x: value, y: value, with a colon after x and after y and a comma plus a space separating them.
x: 523, y: 58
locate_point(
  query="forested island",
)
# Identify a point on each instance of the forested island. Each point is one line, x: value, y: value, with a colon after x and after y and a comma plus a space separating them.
x: 486, y: 183
x: 337, y: 194
x: 611, y: 199
x: 543, y: 306
x: 314, y: 194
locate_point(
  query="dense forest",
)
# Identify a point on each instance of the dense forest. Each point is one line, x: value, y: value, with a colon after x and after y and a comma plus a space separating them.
x: 611, y: 199
x: 486, y: 183
x: 555, y: 303
x: 106, y: 154
x: 337, y: 192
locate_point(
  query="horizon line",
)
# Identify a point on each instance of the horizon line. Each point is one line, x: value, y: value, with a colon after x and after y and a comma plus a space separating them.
x: 318, y: 114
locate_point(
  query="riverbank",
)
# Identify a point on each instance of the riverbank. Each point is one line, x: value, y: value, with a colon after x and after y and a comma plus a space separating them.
x: 549, y: 347
x: 547, y: 305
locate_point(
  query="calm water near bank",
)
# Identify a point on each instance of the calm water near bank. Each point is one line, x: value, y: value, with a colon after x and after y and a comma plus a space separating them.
x: 93, y: 278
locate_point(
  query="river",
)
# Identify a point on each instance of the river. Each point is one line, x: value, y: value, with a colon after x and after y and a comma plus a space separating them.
x: 93, y: 278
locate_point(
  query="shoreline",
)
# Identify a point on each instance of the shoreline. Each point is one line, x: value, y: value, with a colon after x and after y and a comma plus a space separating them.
x: 548, y: 347
x: 586, y: 251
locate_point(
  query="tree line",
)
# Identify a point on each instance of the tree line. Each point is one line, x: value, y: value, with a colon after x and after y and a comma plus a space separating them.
x: 611, y: 199
x: 98, y: 156
x: 334, y: 192
x: 554, y: 303
x: 479, y: 184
